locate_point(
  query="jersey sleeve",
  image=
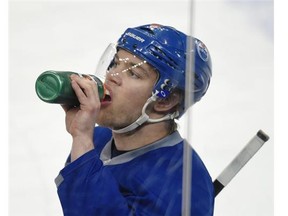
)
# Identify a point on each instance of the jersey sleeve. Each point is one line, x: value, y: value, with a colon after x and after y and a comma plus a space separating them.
x: 86, y: 187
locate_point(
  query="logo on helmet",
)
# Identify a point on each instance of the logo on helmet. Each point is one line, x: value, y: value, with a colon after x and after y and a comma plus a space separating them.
x: 135, y: 37
x: 202, y: 50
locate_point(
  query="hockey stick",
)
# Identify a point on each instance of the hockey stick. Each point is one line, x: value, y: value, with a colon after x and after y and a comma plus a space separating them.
x: 239, y: 161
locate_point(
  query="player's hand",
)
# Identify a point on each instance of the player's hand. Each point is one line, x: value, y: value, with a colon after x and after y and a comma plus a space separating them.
x: 80, y: 121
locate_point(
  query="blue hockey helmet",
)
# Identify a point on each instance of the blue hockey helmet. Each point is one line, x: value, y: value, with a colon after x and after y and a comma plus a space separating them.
x: 165, y: 49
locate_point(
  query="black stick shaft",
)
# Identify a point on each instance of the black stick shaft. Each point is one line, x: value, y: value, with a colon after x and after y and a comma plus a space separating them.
x: 239, y: 161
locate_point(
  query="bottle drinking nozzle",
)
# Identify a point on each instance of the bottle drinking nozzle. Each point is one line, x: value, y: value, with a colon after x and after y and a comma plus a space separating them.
x: 55, y: 87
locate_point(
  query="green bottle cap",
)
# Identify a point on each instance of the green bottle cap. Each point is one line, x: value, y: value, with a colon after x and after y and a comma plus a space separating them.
x: 48, y: 86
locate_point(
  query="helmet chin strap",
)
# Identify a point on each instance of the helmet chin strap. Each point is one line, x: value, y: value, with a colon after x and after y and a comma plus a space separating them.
x: 145, y: 118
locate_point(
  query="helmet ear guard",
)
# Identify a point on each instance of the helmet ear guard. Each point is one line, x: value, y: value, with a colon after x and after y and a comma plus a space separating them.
x: 165, y: 49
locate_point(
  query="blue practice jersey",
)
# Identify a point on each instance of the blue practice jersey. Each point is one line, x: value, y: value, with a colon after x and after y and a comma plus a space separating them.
x: 145, y: 181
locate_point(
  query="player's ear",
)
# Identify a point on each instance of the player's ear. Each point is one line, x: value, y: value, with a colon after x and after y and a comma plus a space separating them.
x: 169, y: 103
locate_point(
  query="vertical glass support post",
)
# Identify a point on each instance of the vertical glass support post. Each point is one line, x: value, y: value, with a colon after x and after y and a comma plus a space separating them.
x: 187, y: 150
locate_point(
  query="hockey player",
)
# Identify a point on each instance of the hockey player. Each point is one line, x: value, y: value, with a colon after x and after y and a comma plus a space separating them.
x: 131, y: 164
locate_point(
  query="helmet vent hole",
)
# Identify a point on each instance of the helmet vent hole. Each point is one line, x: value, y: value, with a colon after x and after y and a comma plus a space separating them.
x: 150, y: 31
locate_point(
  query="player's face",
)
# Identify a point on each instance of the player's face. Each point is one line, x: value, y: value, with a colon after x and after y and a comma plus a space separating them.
x: 130, y: 81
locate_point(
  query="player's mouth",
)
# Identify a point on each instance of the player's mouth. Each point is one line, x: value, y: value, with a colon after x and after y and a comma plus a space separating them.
x: 107, y: 97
